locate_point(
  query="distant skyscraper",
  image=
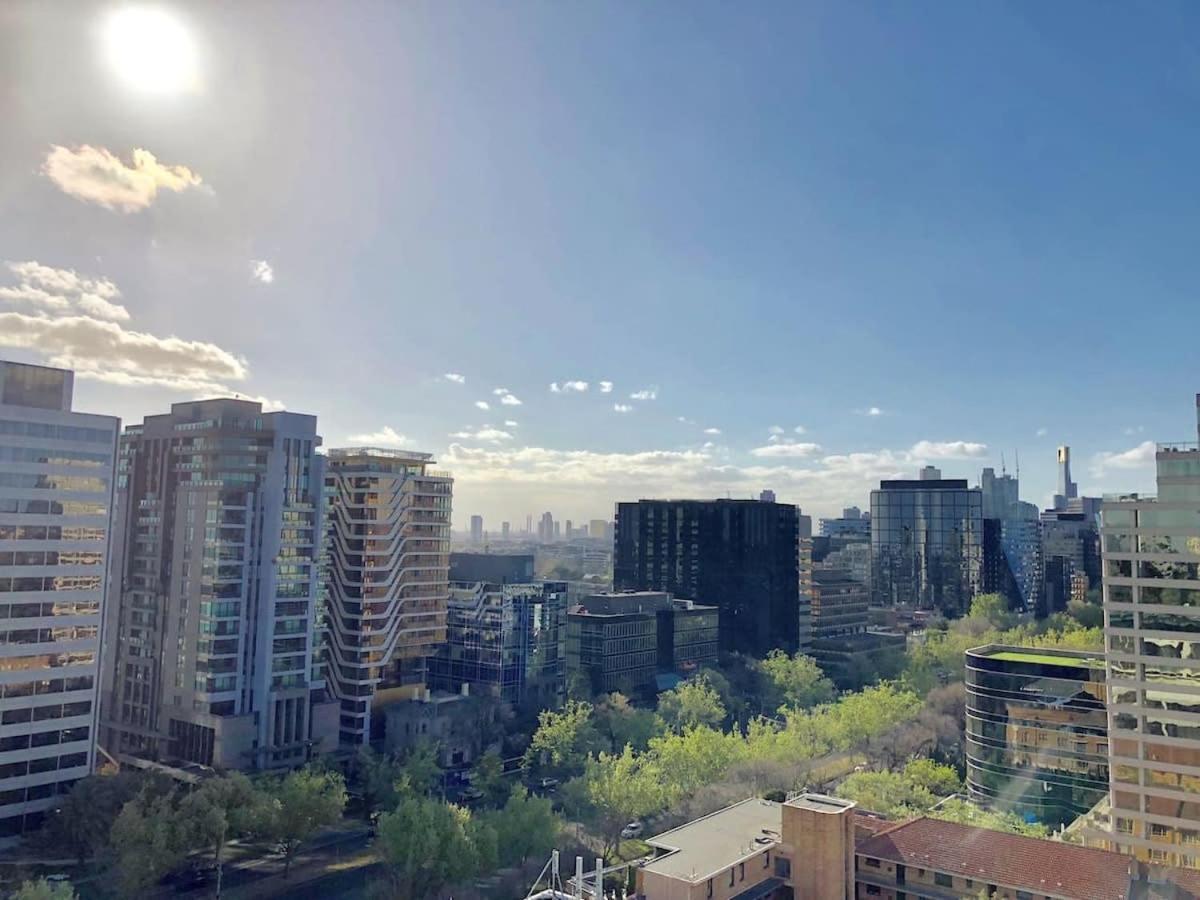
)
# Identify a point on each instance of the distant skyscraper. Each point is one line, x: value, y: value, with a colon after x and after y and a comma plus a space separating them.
x: 529, y: 523
x: 546, y: 528
x: 767, y: 496
x: 557, y: 530
x: 569, y: 530
x: 476, y: 529
x: 386, y: 578
x: 1067, y: 489
x: 741, y: 556
x: 926, y: 541
x: 1152, y: 636
x: 1013, y: 543
x: 504, y: 530
x: 209, y: 644
x: 56, y: 498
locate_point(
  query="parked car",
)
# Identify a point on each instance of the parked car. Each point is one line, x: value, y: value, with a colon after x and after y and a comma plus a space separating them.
x: 472, y: 794
x: 547, y: 784
x: 633, y: 830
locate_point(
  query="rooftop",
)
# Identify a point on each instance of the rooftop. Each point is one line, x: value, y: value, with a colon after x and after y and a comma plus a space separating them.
x: 1040, y: 866
x: 1020, y: 655
x: 693, y: 852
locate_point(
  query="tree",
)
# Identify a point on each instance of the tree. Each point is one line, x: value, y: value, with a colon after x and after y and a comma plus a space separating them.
x: 564, y: 739
x: 45, y: 890
x: 794, y: 681
x: 620, y: 788
x: 968, y: 814
x: 376, y: 775
x: 84, y: 820
x: 424, y: 846
x: 421, y: 767
x: 691, y: 704
x: 488, y: 777
x: 525, y: 826
x: 992, y: 609
x: 621, y: 723
x: 300, y: 804
x: 149, y: 840
x: 889, y: 794
x: 219, y: 810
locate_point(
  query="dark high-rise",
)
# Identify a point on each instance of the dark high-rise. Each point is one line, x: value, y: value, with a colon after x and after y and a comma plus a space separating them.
x: 738, y: 555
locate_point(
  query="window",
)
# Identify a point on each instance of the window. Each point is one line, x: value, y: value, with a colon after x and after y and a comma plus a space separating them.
x: 731, y: 877
x: 873, y: 890
x: 767, y: 860
x: 941, y: 878
x: 1024, y: 895
x: 872, y: 863
x: 783, y: 867
x: 709, y: 894
x: 741, y: 871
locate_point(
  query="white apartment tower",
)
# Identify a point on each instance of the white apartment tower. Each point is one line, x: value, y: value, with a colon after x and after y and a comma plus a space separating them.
x: 387, y: 579
x: 56, y: 491
x: 209, y: 643
x: 1151, y: 552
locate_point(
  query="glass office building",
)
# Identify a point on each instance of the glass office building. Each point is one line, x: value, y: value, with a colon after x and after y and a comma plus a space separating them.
x: 927, y: 543
x: 56, y: 494
x: 1036, y: 731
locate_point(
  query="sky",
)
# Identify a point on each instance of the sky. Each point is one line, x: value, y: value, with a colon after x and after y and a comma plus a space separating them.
x: 590, y: 252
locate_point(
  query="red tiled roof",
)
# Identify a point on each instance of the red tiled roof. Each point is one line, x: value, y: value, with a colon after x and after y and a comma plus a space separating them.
x: 994, y: 857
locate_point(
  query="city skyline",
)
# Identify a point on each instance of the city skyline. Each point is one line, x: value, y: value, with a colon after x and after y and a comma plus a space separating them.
x: 176, y: 258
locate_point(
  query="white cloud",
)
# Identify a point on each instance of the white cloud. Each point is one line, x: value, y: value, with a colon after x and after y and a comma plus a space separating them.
x: 712, y: 430
x: 947, y: 450
x: 606, y: 387
x: 482, y: 404
x: 487, y: 434
x: 79, y: 327
x: 455, y: 377
x: 1132, y: 430
x: 870, y: 411
x: 509, y: 423
x: 1041, y: 432
x: 800, y: 429
x: 685, y: 420
x: 386, y: 436
x: 1141, y: 456
x: 775, y: 430
x: 500, y: 392
x: 568, y: 387
x: 622, y: 407
x: 95, y: 175
x: 261, y: 271
x: 506, y: 397
x: 645, y: 394
x: 786, y: 451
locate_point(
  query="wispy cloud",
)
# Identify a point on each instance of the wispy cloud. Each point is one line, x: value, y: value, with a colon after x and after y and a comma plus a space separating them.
x: 775, y: 430
x: 487, y: 434
x: 1131, y: 430
x: 606, y: 387
x: 869, y: 411
x: 261, y: 271
x: 948, y: 450
x: 482, y: 404
x: 685, y: 420
x: 78, y: 325
x: 387, y: 436
x: 1041, y: 432
x: 95, y: 175
x: 507, y: 397
x: 800, y: 429
x: 786, y: 451
x: 510, y: 423
x: 712, y: 430
x: 622, y: 407
x: 1141, y: 456
x: 455, y: 377
x: 567, y: 387
x: 645, y: 394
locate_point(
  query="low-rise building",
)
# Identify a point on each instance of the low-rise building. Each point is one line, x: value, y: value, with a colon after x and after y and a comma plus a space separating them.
x: 1037, y: 731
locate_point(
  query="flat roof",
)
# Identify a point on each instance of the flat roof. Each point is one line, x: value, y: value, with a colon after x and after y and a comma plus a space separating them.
x: 821, y: 803
x: 699, y: 849
x: 1046, y: 659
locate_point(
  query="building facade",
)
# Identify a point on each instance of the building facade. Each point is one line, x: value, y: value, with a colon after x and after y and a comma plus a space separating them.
x: 927, y: 543
x: 387, y: 579
x: 56, y: 496
x: 839, y: 603
x: 1151, y: 549
x: 741, y: 556
x: 493, y: 568
x: 505, y: 641
x: 210, y: 650
x: 1036, y: 732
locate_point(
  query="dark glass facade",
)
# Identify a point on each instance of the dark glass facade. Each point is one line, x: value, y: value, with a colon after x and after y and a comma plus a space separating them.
x: 927, y: 543
x: 1037, y: 731
x: 741, y: 556
x: 493, y: 568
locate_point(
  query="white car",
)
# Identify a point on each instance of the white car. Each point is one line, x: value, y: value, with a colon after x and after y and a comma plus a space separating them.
x: 632, y: 830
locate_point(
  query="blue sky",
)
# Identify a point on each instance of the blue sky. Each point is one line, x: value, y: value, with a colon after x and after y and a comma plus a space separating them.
x: 975, y: 219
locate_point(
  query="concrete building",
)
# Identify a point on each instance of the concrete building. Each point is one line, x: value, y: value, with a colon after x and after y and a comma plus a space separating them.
x: 505, y: 641
x: 476, y: 529
x: 210, y: 641
x: 1036, y: 732
x: 624, y: 641
x: 1151, y: 550
x: 853, y: 524
x: 927, y: 542
x: 459, y: 726
x: 801, y: 849
x: 741, y: 556
x: 56, y: 497
x: 388, y: 558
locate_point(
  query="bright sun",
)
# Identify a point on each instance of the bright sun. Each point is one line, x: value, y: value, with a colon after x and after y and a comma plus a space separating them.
x: 151, y: 50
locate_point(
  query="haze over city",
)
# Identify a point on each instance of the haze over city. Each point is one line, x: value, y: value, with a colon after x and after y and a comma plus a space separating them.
x: 582, y: 253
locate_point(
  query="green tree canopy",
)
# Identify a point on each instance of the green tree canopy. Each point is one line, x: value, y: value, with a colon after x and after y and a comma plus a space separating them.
x: 525, y: 827
x: 691, y: 704
x: 621, y: 787
x: 488, y: 777
x: 794, y: 681
x: 219, y: 810
x: 299, y: 804
x: 149, y: 840
x: 564, y: 739
x: 424, y: 845
x: 41, y: 889
x: 621, y: 723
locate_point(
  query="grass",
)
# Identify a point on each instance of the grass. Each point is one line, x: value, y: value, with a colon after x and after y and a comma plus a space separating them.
x: 1032, y: 656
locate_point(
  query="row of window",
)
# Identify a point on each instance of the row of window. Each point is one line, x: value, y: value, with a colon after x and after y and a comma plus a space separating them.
x: 39, y: 584
x: 24, y: 714
x: 44, y: 686
x: 18, y: 742
x: 11, y: 505
x: 51, y: 558
x: 48, y: 635
x: 58, y: 608
x: 56, y: 432
x: 47, y: 661
x: 50, y: 533
x: 47, y: 482
x: 39, y: 766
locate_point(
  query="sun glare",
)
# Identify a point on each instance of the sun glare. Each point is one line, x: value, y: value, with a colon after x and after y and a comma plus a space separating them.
x: 151, y: 50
